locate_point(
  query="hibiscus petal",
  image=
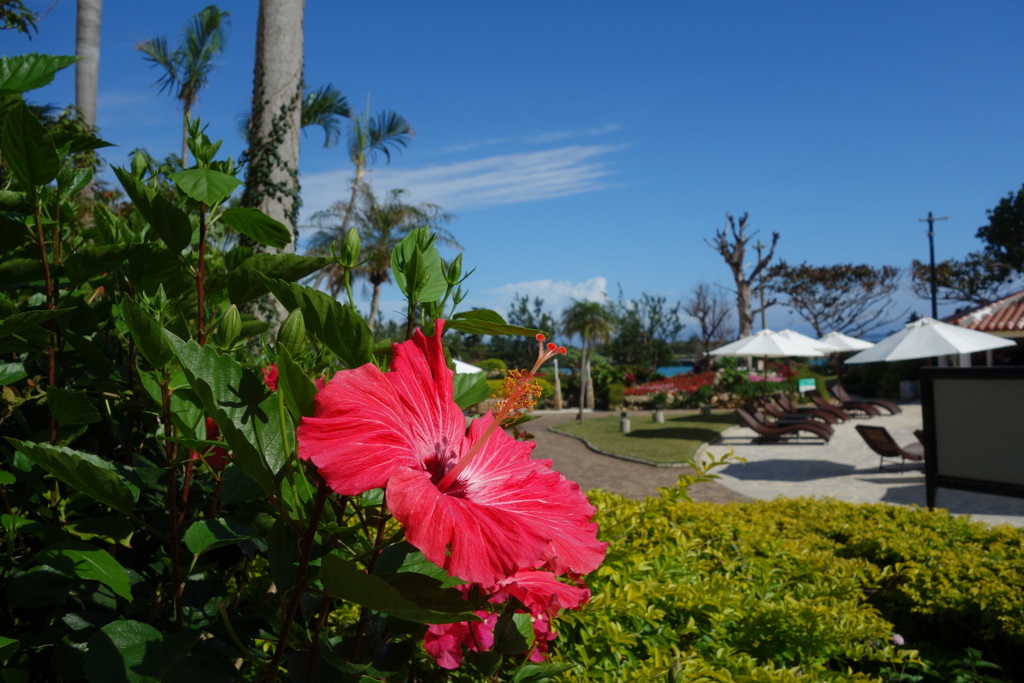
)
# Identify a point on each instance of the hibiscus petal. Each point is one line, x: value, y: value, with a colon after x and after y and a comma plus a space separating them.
x: 504, y: 513
x: 369, y: 424
x: 540, y: 592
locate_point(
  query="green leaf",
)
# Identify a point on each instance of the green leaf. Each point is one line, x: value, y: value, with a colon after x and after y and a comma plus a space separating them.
x: 170, y: 223
x: 90, y: 262
x: 483, y: 321
x: 244, y: 285
x: 31, y: 71
x: 247, y: 413
x: 147, y: 333
x: 8, y: 646
x: 418, y: 268
x: 86, y: 561
x: 78, y: 142
x: 21, y: 271
x: 405, y: 557
x: 205, y: 185
x: 299, y: 391
x: 27, y: 148
x: 126, y: 652
x: 257, y: 225
x: 470, y: 389
x: 14, y: 324
x: 97, y: 478
x: 408, y: 596
x: 137, y: 191
x: 207, y: 534
x: 535, y: 673
x: 338, y: 327
x: 71, y: 407
x: 11, y: 373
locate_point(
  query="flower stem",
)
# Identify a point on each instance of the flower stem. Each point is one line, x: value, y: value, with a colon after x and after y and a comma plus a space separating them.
x: 305, y: 551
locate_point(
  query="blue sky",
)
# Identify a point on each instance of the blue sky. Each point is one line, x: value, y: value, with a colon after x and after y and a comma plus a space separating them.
x: 585, y: 145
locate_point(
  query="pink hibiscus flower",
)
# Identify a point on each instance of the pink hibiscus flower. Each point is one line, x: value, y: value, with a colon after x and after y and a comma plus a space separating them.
x: 477, y: 504
x: 216, y: 456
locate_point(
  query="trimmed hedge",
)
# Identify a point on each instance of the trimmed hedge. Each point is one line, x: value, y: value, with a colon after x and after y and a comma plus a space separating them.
x: 809, y: 590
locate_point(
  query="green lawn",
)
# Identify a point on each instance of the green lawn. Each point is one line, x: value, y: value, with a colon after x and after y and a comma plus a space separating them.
x: 674, y: 441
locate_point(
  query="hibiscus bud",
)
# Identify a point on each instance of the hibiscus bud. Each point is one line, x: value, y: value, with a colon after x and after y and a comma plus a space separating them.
x: 349, y: 256
x: 454, y: 271
x: 138, y: 165
x: 292, y: 334
x: 230, y: 327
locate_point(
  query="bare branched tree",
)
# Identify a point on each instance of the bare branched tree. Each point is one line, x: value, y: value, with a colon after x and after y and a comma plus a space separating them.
x: 731, y: 242
x: 711, y: 311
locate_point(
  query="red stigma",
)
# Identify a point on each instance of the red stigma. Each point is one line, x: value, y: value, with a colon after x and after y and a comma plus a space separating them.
x: 540, y: 337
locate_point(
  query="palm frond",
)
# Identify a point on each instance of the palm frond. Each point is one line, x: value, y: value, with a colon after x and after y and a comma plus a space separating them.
x: 387, y: 131
x: 325, y: 107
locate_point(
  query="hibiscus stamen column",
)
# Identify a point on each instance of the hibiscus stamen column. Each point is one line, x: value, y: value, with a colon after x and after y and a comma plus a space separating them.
x: 520, y: 396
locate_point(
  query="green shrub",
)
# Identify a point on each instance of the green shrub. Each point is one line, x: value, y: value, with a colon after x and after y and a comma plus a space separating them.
x: 490, y: 365
x: 615, y: 395
x: 792, y: 590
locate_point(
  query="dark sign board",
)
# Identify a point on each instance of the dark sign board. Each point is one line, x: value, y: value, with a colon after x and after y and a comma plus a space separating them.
x: 974, y: 429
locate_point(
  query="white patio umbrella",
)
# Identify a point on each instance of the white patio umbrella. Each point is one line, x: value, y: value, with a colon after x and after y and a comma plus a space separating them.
x: 465, y: 368
x: 818, y: 344
x: 927, y: 338
x: 767, y: 343
x: 840, y: 342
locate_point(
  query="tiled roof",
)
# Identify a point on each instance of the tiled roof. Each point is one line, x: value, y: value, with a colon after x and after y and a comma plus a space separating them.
x: 1005, y: 315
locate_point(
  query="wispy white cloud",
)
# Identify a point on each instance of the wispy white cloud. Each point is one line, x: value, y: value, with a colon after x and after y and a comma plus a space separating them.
x: 477, y: 144
x: 539, y: 139
x: 556, y: 294
x: 502, y: 179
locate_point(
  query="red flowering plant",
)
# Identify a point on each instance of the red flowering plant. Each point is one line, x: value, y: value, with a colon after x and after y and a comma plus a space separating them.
x: 361, y: 532
x: 473, y: 503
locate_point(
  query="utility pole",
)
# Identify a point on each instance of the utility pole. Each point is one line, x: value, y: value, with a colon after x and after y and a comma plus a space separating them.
x: 931, y: 249
x: 764, y: 318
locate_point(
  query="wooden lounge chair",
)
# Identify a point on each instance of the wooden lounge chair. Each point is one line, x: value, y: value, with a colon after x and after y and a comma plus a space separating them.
x: 840, y: 393
x: 857, y: 406
x: 774, y: 407
x: 768, y: 432
x: 881, y: 442
x: 823, y: 404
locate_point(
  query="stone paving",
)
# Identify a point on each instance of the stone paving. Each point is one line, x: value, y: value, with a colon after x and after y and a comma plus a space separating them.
x: 845, y: 469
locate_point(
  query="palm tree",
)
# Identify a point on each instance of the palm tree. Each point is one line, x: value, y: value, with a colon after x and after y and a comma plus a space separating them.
x: 368, y: 137
x: 594, y: 324
x: 187, y: 68
x: 381, y: 226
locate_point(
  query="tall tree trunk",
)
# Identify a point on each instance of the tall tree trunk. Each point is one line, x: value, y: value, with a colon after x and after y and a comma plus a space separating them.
x: 374, y: 306
x: 557, y: 381
x: 272, y: 182
x: 746, y: 316
x: 87, y: 48
x: 584, y: 373
x: 87, y: 68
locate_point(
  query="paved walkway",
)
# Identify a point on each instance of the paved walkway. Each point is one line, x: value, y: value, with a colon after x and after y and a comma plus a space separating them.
x: 845, y: 469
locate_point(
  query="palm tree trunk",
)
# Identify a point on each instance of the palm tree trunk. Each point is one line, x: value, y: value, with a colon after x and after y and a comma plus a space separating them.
x: 557, y: 381
x: 184, y: 138
x: 87, y: 47
x: 584, y: 362
x: 374, y: 304
x: 277, y: 110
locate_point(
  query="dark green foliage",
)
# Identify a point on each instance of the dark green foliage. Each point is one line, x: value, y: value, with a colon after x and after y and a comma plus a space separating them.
x: 796, y: 590
x: 845, y: 297
x: 1004, y: 234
